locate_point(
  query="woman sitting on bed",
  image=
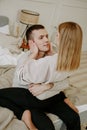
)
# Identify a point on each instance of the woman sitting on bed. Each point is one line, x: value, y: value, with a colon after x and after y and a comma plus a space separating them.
x: 63, y: 63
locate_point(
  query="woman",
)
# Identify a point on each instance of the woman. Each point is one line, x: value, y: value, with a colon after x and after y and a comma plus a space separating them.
x: 63, y: 63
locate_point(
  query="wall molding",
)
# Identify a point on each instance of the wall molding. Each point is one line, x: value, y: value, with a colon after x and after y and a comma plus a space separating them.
x: 75, y: 6
x: 44, y: 1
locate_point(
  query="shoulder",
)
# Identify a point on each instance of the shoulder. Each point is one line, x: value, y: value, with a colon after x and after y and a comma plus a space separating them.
x: 23, y: 56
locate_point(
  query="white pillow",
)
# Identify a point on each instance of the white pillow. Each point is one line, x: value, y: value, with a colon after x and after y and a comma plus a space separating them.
x: 10, y: 42
x: 5, y: 29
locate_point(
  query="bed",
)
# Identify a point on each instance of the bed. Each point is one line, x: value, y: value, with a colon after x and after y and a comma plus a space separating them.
x: 77, y: 90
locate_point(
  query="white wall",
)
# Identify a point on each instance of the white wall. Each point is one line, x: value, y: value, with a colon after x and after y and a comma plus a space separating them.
x: 52, y: 12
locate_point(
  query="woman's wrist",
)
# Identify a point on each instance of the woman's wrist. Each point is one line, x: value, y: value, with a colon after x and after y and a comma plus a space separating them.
x: 47, y: 86
x: 33, y: 55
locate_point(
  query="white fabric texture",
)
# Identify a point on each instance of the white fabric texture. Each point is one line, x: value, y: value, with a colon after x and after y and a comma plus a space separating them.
x: 40, y: 71
x: 6, y: 58
x: 10, y: 42
x: 5, y: 29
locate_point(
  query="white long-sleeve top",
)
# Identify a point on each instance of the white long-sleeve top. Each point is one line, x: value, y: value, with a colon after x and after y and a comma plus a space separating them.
x: 42, y: 70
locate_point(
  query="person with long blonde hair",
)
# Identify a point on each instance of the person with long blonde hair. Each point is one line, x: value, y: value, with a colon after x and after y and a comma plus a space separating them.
x: 49, y: 69
x: 70, y: 44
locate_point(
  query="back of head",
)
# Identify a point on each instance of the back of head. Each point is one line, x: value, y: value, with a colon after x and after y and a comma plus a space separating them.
x: 31, y: 29
x: 70, y: 44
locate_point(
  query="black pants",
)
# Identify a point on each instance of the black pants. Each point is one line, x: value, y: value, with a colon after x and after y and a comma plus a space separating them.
x: 20, y: 99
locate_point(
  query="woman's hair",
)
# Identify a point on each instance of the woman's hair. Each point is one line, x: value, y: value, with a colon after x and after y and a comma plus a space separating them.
x: 70, y: 44
x: 29, y: 31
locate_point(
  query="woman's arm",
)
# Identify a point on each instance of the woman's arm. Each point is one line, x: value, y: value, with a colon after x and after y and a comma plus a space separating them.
x: 37, y: 89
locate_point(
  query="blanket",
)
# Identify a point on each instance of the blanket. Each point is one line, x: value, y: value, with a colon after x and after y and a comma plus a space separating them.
x: 77, y: 92
x: 6, y: 75
x: 8, y: 120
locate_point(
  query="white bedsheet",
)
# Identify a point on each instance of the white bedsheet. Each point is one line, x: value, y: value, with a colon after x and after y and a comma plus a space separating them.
x: 82, y: 108
x: 6, y: 58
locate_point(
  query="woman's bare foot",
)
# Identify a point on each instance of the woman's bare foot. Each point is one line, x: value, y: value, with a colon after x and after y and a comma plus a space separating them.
x: 26, y: 117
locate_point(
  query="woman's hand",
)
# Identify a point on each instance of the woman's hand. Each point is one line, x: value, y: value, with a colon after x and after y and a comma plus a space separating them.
x: 37, y: 89
x: 33, y: 49
x: 69, y: 103
x: 50, y: 52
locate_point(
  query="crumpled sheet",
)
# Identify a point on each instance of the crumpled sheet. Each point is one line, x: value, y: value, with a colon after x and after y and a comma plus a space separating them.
x: 9, y: 122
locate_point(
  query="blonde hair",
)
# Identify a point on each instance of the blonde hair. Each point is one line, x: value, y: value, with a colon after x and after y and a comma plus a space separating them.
x: 70, y: 44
